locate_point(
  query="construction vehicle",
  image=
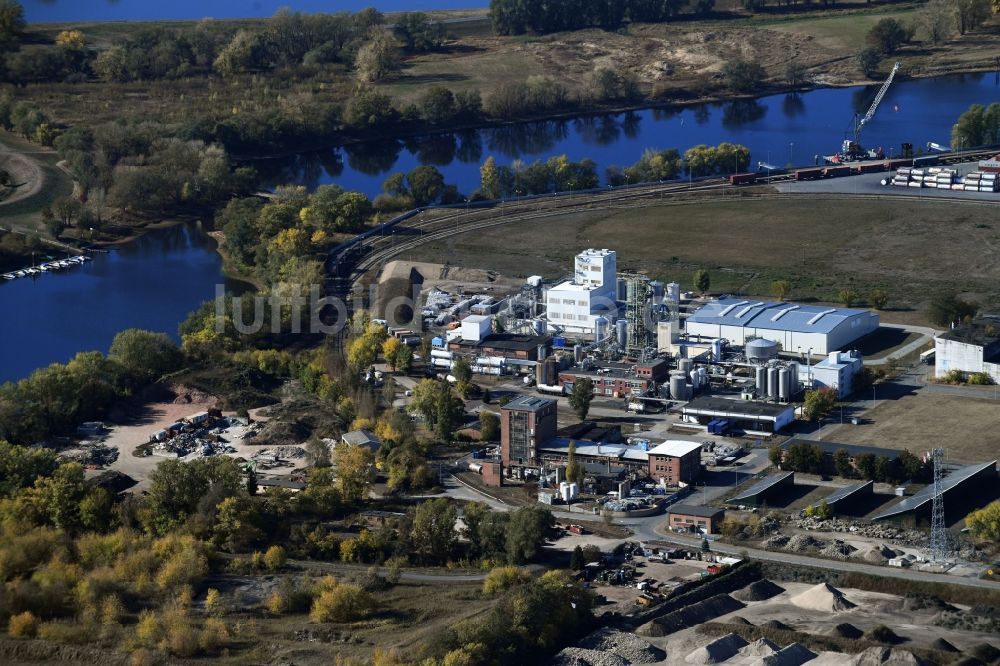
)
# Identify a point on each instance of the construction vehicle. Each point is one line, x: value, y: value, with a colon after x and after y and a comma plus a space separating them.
x: 852, y: 150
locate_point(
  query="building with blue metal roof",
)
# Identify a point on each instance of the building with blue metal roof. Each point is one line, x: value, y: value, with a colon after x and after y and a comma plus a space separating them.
x: 796, y: 327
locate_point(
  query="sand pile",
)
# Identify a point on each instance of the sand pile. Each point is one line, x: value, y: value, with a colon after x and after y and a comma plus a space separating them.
x: 761, y: 647
x: 823, y: 597
x: 846, y: 630
x: 801, y: 543
x: 758, y: 591
x: 883, y: 656
x: 628, y: 646
x: 943, y: 645
x: 703, y: 611
x: 717, y: 651
x: 739, y: 619
x: 790, y: 655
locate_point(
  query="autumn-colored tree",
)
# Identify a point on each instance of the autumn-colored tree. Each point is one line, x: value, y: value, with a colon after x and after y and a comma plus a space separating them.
x: 355, y: 471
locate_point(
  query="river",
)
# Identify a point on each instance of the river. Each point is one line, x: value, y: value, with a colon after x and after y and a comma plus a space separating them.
x: 779, y: 130
x: 156, y: 281
x: 58, y: 11
x: 151, y: 283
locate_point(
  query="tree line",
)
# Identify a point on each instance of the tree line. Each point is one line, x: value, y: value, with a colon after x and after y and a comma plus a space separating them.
x: 810, y: 459
x: 516, y: 17
x: 979, y: 126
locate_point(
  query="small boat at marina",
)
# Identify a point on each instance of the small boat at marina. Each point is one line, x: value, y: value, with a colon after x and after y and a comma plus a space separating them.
x: 9, y: 276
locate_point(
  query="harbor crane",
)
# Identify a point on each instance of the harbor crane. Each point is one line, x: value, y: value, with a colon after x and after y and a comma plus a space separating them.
x: 852, y: 149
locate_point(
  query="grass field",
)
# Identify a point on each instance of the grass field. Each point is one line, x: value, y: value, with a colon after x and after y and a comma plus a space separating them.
x: 24, y: 213
x: 968, y: 428
x: 910, y: 250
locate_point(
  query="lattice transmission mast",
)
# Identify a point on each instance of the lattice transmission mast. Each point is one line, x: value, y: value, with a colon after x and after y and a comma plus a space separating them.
x: 939, y: 533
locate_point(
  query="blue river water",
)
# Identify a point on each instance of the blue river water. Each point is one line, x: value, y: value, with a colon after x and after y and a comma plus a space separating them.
x: 57, y: 11
x: 779, y: 129
x: 151, y: 283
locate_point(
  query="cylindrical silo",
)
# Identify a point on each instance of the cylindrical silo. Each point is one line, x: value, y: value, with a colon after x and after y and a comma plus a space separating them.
x: 673, y: 293
x: 577, y: 353
x: 538, y: 326
x: 574, y: 490
x: 685, y: 365
x: 793, y: 369
x: 621, y: 331
x: 772, y: 382
x: 678, y: 386
x: 784, y: 383
x: 702, y: 377
x: 601, y: 329
x: 761, y: 380
x: 717, y: 350
x: 657, y: 288
x: 693, y: 376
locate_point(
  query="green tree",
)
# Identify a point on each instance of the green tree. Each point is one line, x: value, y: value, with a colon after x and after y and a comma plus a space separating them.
x: 574, y: 470
x: 774, y: 456
x: 842, y: 462
x: 576, y: 559
x: 868, y: 60
x: 20, y: 466
x: 780, y: 289
x: 377, y: 59
x: 404, y: 359
x: 938, y: 20
x: 702, y: 281
x: 888, y: 35
x: 946, y: 309
x: 878, y: 298
x: 12, y: 24
x: 848, y: 297
x: 581, y: 396
x: 145, y: 354
x: 795, y: 73
x: 432, y: 532
x: 437, y: 105
x: 448, y: 412
x: 527, y: 530
x: 489, y: 426
x: 419, y: 33
x: 426, y: 184
x: 866, y: 464
x: 970, y: 14
x: 743, y: 75
x: 818, y: 403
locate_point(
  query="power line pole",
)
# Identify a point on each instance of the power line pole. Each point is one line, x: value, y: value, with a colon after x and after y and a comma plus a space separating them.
x: 939, y: 534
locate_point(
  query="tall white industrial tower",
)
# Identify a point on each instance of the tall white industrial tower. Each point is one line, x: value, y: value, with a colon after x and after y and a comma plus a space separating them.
x: 939, y: 533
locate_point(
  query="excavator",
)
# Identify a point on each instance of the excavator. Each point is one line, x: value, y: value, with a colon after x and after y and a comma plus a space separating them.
x: 852, y: 150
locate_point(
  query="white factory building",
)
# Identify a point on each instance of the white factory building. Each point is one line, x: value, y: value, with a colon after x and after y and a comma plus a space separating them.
x: 836, y: 371
x: 797, y: 328
x: 575, y: 305
x: 970, y: 348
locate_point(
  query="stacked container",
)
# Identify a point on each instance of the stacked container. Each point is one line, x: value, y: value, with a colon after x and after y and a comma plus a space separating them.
x: 977, y: 181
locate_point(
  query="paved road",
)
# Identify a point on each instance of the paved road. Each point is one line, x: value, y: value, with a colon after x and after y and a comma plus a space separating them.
x: 927, y: 335
x: 870, y: 183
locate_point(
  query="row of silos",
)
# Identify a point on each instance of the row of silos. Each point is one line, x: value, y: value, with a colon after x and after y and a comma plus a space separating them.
x: 776, y: 382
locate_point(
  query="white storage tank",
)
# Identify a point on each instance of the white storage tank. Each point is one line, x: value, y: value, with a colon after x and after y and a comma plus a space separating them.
x: 657, y: 289
x: 564, y: 491
x: 673, y: 293
x: 685, y: 365
x: 678, y: 385
x: 761, y: 380
x: 441, y: 353
x: 601, y: 328
x: 717, y: 350
x: 784, y: 384
x: 574, y: 490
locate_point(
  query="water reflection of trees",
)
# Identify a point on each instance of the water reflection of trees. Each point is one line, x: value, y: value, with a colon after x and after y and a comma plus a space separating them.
x: 525, y: 139
x: 741, y: 112
x: 302, y: 168
x: 470, y: 147
x: 374, y: 157
x: 793, y: 105
x: 435, y: 149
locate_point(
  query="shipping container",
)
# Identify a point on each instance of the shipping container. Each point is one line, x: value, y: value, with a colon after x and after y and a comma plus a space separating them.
x: 742, y: 178
x: 808, y: 174
x: 836, y: 171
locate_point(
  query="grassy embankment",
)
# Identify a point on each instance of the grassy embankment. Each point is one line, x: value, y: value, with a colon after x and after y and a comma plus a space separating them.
x: 819, y: 247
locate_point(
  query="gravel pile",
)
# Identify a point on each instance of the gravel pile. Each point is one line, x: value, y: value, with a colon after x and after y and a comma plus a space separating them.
x: 777, y: 625
x: 943, y: 645
x: 879, y: 554
x: 776, y: 541
x: 985, y: 652
x: 703, y: 611
x: 739, y: 619
x: 883, y: 656
x: 717, y: 651
x: 801, y: 543
x: 628, y: 646
x: 823, y: 597
x: 838, y: 549
x: 574, y: 656
x: 847, y: 630
x: 761, y: 647
x: 790, y: 655
x: 758, y: 591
